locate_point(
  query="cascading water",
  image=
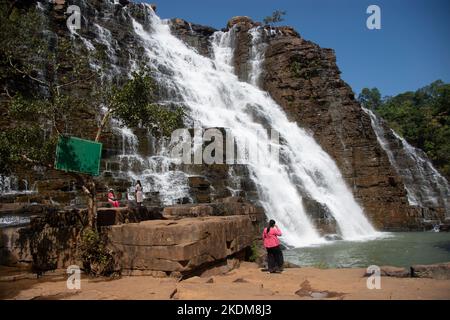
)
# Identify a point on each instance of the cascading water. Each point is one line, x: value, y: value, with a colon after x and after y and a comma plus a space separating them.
x: 9, y: 185
x: 157, y: 172
x: 424, y: 185
x: 216, y: 98
x: 256, y: 55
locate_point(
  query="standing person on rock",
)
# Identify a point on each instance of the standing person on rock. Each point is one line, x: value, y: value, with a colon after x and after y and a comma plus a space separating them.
x: 275, y: 259
x: 138, y: 193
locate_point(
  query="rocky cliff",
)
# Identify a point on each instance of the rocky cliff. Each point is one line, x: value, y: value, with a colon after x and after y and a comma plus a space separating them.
x: 299, y: 75
x: 305, y: 80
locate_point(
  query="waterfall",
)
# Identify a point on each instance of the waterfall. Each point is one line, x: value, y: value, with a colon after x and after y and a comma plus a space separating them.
x: 10, y: 185
x: 424, y: 185
x: 157, y: 173
x: 256, y: 59
x: 215, y: 97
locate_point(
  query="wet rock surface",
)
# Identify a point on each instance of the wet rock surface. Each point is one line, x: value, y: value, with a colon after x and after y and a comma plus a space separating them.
x: 195, y: 35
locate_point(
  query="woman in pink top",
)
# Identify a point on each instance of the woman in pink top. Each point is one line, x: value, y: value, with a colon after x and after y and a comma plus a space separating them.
x: 272, y: 244
x: 112, y: 199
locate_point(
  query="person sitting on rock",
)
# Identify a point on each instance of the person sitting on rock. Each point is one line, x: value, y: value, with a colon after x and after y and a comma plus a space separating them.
x: 112, y: 198
x: 275, y: 259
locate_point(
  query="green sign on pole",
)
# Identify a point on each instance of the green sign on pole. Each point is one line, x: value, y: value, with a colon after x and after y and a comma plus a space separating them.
x: 78, y: 155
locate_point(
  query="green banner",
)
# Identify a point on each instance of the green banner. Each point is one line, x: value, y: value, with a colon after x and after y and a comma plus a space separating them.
x: 78, y: 155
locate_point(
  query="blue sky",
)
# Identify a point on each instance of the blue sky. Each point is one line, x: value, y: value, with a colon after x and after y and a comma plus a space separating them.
x: 411, y: 50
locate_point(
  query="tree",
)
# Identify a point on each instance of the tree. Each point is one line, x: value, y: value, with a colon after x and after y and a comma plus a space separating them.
x: 46, y: 86
x: 422, y: 117
x: 370, y: 98
x: 276, y: 17
x: 133, y: 103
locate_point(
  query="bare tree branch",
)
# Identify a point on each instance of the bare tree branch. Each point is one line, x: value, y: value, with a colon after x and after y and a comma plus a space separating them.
x: 73, y: 82
x: 7, y: 92
x: 86, y: 190
x: 102, y: 125
x: 27, y: 74
x: 27, y: 159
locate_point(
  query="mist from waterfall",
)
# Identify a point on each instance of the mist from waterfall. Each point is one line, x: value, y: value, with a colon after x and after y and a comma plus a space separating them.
x: 215, y: 97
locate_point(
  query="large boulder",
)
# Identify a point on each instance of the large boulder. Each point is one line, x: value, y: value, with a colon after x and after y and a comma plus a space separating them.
x: 179, y: 246
x: 435, y: 271
x: 229, y: 206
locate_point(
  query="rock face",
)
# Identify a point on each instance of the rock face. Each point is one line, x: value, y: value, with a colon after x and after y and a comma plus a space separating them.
x: 190, y: 238
x: 48, y: 242
x: 179, y: 246
x: 51, y: 239
x: 197, y: 36
x: 304, y: 80
x: 230, y: 206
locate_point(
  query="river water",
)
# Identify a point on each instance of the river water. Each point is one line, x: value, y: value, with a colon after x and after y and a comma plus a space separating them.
x: 401, y: 249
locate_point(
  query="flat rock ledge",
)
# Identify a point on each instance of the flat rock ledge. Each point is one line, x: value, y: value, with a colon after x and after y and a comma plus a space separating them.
x: 440, y: 271
x: 435, y: 271
x: 179, y: 247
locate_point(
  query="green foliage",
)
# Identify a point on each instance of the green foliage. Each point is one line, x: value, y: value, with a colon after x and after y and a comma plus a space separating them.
x: 296, y: 69
x: 421, y: 117
x: 370, y: 98
x: 51, y: 87
x: 25, y: 110
x: 135, y: 104
x: 27, y: 141
x: 32, y: 137
x: 97, y: 259
x: 21, y: 41
x: 254, y: 252
x: 305, y: 69
x: 276, y: 17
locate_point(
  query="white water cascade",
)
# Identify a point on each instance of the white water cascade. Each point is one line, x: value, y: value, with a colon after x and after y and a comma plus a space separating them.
x: 424, y: 185
x: 155, y: 172
x: 256, y: 60
x: 216, y: 98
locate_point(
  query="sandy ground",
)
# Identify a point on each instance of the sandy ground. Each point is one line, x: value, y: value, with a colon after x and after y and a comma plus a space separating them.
x: 246, y: 282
